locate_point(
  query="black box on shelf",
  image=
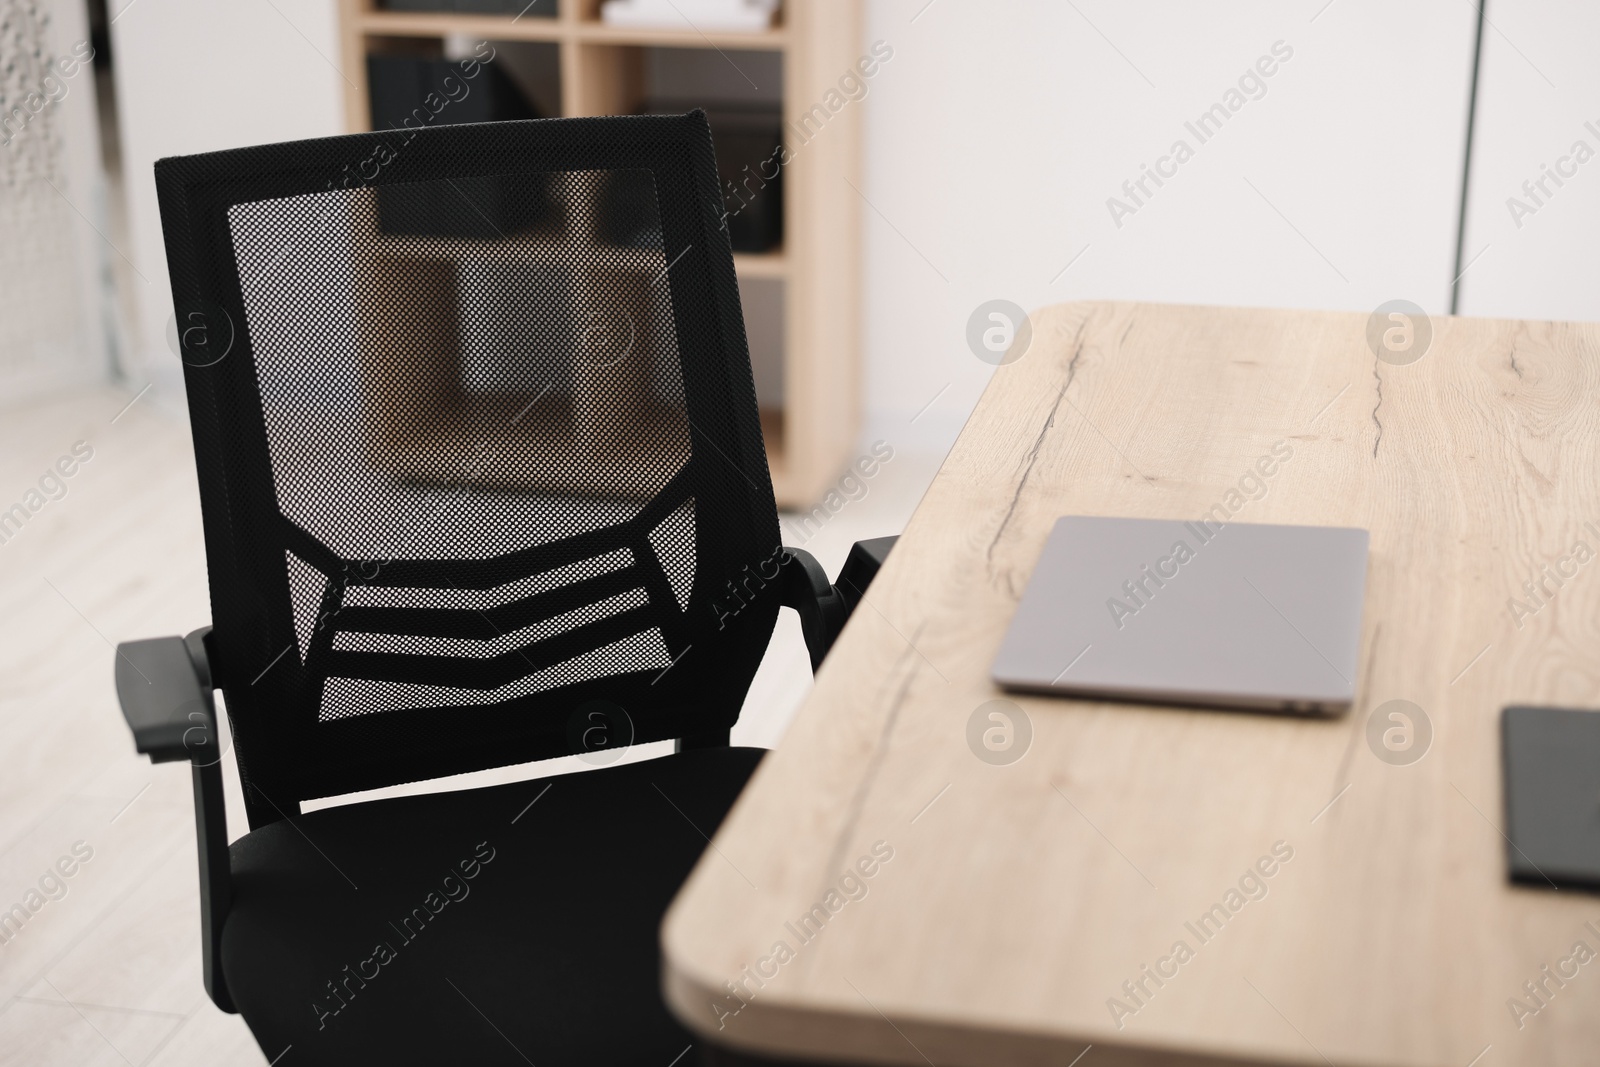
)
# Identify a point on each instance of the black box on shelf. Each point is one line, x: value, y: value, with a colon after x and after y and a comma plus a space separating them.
x: 749, y: 144
x: 630, y: 217
x: 408, y: 92
x: 401, y: 84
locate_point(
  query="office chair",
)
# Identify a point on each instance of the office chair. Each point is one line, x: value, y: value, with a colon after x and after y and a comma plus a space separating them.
x: 483, y: 483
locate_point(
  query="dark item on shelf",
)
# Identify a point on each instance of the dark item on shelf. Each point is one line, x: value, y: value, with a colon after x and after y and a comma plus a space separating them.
x: 1552, y: 789
x: 413, y: 92
x: 629, y: 217
x: 505, y: 604
x: 538, y: 9
x: 749, y: 143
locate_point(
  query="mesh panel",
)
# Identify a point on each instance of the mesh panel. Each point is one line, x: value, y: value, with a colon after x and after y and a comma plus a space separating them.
x: 307, y: 587
x: 361, y: 698
x: 548, y: 403
x: 378, y: 596
x: 673, y: 541
x: 484, y: 430
x: 510, y: 641
x: 397, y: 431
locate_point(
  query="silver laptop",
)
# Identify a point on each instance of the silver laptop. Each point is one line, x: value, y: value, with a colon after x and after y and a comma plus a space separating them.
x: 1233, y: 615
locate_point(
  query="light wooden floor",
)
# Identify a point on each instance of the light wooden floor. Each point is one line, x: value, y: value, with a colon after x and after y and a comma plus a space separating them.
x: 109, y: 972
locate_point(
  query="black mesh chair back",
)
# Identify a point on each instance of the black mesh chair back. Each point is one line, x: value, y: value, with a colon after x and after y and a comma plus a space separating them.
x: 478, y: 446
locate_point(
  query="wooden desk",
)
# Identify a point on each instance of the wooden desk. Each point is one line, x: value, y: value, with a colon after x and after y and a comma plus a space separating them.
x: 1020, y: 898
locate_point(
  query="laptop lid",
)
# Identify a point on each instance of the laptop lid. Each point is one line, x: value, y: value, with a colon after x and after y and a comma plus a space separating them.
x: 1233, y: 615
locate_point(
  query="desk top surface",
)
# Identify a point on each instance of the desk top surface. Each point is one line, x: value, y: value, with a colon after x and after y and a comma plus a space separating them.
x: 1177, y: 885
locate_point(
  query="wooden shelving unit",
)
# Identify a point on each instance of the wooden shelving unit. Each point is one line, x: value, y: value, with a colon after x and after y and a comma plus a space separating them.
x: 811, y: 433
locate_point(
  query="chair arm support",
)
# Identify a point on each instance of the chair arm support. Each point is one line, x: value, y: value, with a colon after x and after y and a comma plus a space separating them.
x: 166, y: 697
x: 806, y: 589
x: 823, y: 607
x: 216, y: 876
x: 164, y: 686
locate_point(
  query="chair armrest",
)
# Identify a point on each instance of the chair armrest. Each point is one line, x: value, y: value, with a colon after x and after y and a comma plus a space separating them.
x: 165, y: 693
x: 164, y: 685
x: 861, y: 567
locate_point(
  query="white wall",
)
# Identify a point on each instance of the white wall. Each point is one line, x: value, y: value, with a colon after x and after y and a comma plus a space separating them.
x: 1539, y: 85
x: 998, y: 131
x: 54, y: 261
x: 197, y: 76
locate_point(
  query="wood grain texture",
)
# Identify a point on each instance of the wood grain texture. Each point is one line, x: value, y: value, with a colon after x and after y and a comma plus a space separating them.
x: 1020, y: 898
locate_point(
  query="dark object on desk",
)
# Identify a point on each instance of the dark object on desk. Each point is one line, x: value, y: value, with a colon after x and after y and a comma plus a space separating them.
x: 1552, y: 787
x: 542, y: 9
x: 409, y: 93
x: 420, y: 569
x: 750, y: 166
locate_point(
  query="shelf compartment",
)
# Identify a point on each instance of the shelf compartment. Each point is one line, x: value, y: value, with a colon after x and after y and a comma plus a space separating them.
x: 547, y: 343
x: 484, y: 27
x: 416, y: 82
x: 772, y: 430
x: 765, y: 304
x: 589, y: 25
x: 599, y: 33
x: 517, y: 9
x: 448, y: 24
x: 761, y: 264
x: 743, y: 101
x: 604, y: 69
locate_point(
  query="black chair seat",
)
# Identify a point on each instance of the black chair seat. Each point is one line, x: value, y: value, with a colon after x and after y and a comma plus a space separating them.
x: 357, y: 936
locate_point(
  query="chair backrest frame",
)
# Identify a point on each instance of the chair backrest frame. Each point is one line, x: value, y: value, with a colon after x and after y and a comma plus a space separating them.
x: 274, y: 673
